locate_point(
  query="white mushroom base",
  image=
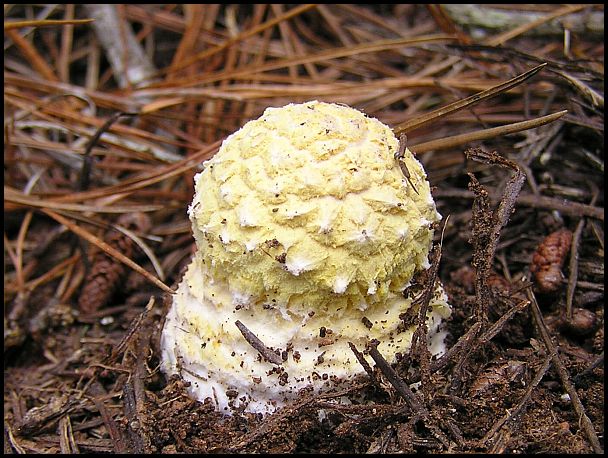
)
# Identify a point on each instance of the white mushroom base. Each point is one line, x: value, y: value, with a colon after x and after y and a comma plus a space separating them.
x: 202, y: 344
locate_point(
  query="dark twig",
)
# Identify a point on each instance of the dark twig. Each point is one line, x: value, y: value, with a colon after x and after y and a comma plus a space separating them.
x: 484, y: 255
x: 480, y: 239
x: 419, y: 344
x: 475, y: 342
x: 87, y: 162
x: 130, y: 409
x: 419, y: 410
x: 402, y: 388
x: 134, y: 390
x: 485, y: 235
x: 510, y: 194
x: 67, y: 442
x: 97, y: 392
x: 598, y: 232
x: 499, y: 324
x: 375, y: 409
x: 38, y: 417
x: 564, y: 206
x: 573, y: 267
x: 267, y: 353
x: 362, y: 361
x: 284, y: 413
x: 462, y: 346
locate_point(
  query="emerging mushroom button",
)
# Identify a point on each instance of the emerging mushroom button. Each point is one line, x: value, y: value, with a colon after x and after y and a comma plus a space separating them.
x: 307, y: 235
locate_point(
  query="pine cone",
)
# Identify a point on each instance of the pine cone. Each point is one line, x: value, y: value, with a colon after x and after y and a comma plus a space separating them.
x: 106, y: 274
x: 548, y: 260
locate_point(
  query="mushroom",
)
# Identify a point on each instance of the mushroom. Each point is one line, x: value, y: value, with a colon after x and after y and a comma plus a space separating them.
x: 307, y: 235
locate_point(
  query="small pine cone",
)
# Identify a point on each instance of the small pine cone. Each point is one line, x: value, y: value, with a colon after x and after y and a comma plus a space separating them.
x: 548, y: 260
x: 107, y: 274
x: 100, y: 284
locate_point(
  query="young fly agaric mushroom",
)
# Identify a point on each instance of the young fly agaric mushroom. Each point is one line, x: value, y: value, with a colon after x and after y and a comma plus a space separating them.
x: 307, y: 235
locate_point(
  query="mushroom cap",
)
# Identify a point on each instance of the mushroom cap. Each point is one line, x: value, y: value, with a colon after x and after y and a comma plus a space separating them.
x: 308, y: 233
x: 308, y: 207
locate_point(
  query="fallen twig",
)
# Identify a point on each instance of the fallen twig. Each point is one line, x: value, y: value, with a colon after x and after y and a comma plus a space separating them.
x: 565, y: 206
x: 256, y: 343
x: 419, y: 410
x: 362, y: 361
x: 87, y: 163
x: 131, y: 332
x: 487, y: 225
x: 97, y: 391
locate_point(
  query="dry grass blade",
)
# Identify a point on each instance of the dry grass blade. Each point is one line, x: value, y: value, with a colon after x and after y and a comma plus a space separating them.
x: 133, y: 184
x: 275, y: 64
x: 23, y: 200
x: 485, y: 134
x: 435, y: 115
x: 107, y: 249
x: 44, y: 23
x: 289, y: 14
x: 502, y: 38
